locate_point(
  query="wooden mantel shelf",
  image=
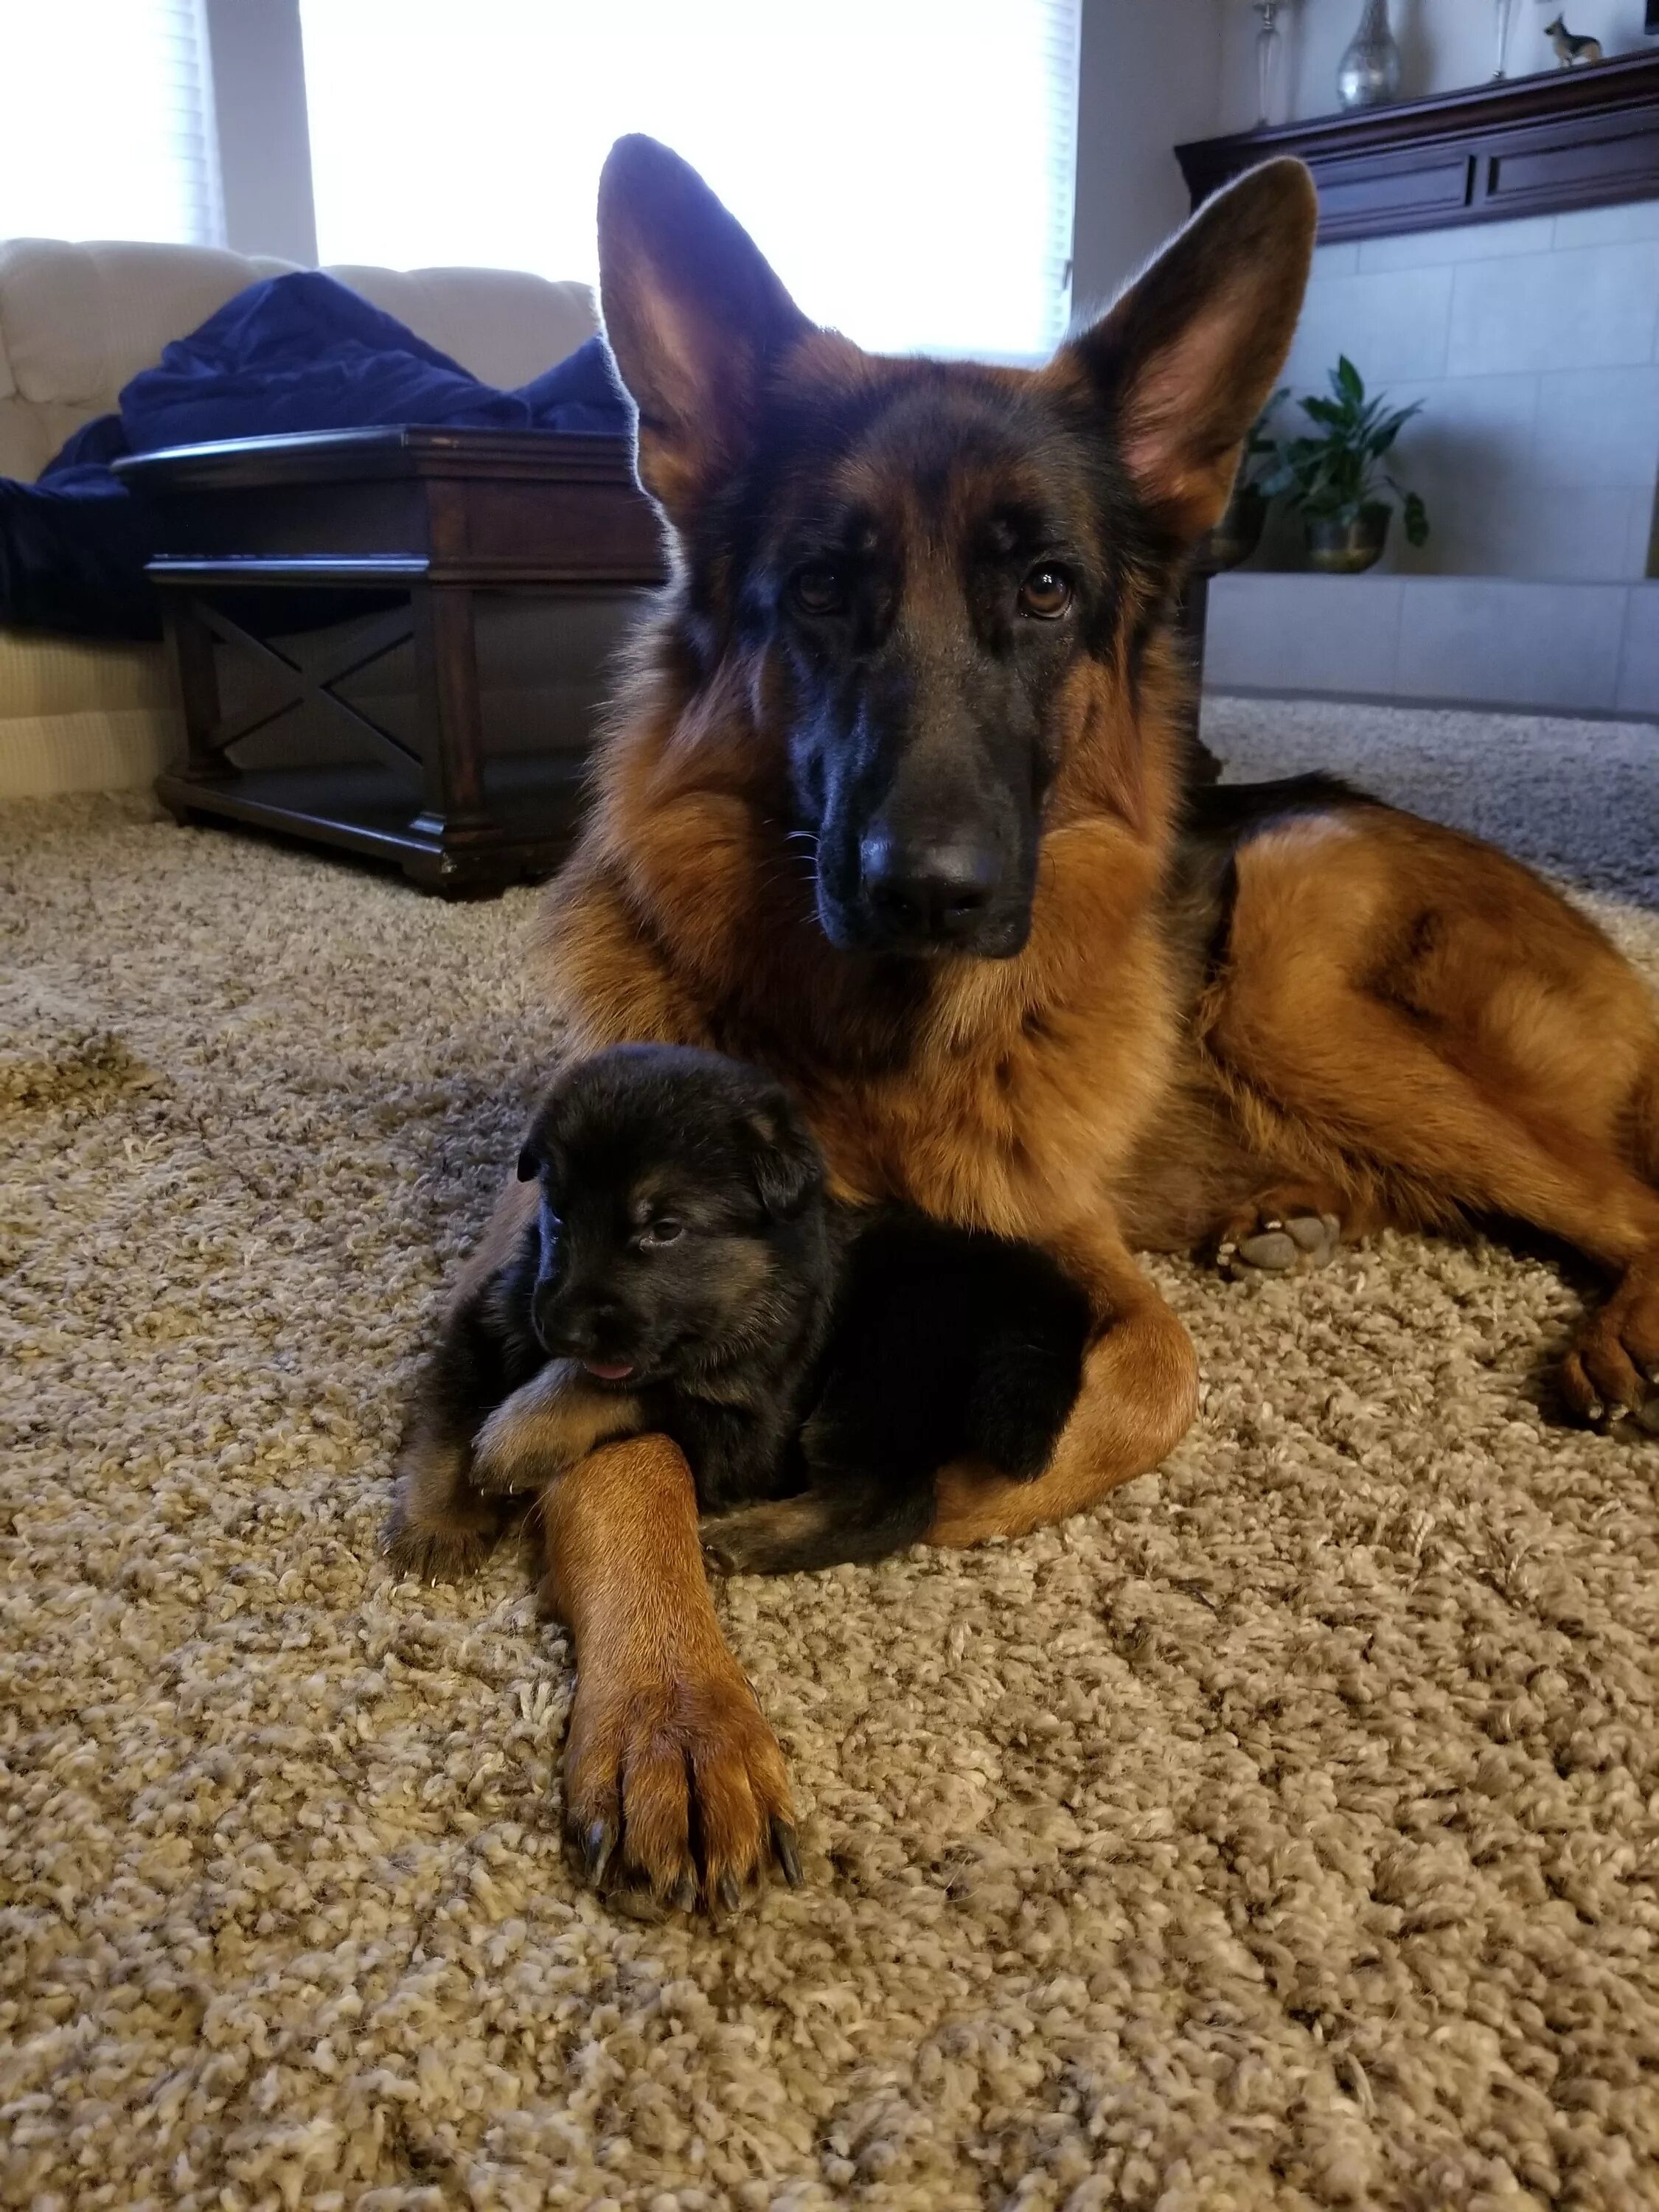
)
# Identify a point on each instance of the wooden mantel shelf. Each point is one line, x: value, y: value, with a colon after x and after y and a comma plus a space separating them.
x: 1532, y: 145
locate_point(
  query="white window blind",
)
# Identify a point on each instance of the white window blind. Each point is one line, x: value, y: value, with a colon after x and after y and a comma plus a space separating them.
x: 108, y: 124
x: 907, y: 165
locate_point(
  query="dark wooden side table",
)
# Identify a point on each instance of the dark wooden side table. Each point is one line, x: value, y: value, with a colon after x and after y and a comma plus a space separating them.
x: 331, y: 601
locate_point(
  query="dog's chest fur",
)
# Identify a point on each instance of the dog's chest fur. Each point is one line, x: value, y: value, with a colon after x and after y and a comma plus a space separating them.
x: 1008, y: 1095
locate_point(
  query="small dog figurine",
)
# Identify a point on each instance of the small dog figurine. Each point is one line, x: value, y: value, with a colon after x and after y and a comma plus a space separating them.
x: 1572, y: 52
x: 686, y: 1273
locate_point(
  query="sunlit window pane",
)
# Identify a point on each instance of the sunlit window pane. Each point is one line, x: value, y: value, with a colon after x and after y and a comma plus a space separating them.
x: 108, y: 131
x: 906, y: 164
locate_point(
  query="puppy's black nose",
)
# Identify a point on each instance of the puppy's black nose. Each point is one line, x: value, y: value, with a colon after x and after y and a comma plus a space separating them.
x: 576, y: 1331
x: 935, y: 894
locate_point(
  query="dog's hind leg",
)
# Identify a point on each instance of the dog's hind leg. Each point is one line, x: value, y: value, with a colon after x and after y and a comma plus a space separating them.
x: 1425, y: 1022
x: 1289, y: 1228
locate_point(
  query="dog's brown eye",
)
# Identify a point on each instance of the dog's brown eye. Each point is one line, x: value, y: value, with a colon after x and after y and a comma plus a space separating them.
x: 1046, y: 593
x: 819, y: 589
x: 664, y: 1231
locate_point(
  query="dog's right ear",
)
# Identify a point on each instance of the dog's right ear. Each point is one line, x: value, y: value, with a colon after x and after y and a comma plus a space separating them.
x: 786, y: 1162
x: 693, y: 316
x: 1184, y: 361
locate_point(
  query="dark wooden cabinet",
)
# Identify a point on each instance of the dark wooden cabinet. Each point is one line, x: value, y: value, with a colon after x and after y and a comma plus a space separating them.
x: 1532, y: 145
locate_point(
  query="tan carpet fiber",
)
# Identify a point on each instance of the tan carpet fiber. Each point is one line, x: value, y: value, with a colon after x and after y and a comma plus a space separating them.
x: 1287, y: 1834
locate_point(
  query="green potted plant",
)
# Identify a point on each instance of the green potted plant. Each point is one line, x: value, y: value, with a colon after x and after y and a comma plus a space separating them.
x: 1238, y: 534
x: 1335, y: 479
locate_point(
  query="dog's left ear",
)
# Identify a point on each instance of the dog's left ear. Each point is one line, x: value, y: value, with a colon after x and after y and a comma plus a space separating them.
x: 1187, y: 359
x: 784, y: 1159
x: 694, y: 315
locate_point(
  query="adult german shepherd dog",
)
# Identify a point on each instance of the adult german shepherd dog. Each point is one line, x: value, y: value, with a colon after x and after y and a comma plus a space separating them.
x: 890, y: 804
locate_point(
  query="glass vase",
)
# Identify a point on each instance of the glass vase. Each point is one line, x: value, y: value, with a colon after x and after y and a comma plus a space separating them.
x: 1369, y: 73
x: 1269, y: 43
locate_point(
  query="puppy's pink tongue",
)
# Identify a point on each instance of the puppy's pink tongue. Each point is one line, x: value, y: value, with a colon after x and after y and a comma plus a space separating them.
x: 608, y: 1371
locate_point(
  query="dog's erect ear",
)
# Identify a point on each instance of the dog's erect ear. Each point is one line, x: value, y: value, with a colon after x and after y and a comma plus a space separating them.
x: 694, y: 315
x: 530, y: 1165
x: 1187, y: 359
x: 787, y: 1164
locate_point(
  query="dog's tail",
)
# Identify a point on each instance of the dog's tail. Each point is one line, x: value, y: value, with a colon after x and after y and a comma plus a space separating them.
x: 858, y: 1520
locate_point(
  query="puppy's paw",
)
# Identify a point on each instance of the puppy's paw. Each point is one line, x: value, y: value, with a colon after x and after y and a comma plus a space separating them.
x: 511, y: 1454
x: 421, y: 1544
x: 782, y: 1536
x: 547, y: 1426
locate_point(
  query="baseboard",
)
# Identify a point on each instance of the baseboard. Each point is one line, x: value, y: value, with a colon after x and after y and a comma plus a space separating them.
x: 1502, y: 644
x: 1547, y: 709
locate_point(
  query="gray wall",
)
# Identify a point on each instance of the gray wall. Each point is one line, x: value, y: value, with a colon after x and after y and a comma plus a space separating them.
x: 265, y: 147
x: 1148, y: 78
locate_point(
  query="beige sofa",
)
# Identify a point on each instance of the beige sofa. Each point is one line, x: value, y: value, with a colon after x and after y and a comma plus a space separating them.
x: 76, y: 322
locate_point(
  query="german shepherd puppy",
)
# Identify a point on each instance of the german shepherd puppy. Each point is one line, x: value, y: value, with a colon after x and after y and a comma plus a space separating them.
x: 685, y: 1274
x: 888, y: 805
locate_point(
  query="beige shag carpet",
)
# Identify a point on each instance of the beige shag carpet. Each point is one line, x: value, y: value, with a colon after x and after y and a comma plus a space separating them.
x: 1284, y: 1835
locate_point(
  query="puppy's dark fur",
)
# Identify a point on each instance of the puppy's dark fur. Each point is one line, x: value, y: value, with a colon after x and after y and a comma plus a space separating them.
x: 686, y: 1273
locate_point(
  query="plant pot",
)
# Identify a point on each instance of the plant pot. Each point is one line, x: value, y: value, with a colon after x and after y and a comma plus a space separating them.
x: 1345, y: 548
x: 1238, y: 533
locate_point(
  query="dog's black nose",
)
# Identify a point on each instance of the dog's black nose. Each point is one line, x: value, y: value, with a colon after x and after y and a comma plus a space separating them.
x: 936, y: 893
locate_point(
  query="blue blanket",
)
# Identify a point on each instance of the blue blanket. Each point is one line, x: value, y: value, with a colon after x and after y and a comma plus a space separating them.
x: 294, y: 353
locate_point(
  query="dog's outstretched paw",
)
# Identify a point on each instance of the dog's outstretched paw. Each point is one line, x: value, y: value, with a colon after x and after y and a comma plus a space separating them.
x: 676, y: 1794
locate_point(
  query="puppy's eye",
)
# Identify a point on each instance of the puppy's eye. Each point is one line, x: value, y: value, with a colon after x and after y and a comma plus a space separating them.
x: 818, y: 589
x: 1046, y: 593
x: 663, y: 1231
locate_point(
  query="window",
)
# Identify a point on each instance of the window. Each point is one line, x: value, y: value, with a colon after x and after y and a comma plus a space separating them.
x: 907, y: 165
x: 108, y: 130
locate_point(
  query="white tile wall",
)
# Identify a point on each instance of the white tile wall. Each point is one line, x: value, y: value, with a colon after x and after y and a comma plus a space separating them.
x: 1392, y: 324
x: 1533, y: 346
x: 1489, y: 241
x: 1590, y: 307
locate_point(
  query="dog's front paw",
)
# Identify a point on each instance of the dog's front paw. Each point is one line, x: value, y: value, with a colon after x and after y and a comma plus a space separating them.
x: 675, y: 1790
x: 436, y: 1546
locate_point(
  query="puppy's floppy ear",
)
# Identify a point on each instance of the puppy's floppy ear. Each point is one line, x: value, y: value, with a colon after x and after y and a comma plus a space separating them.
x: 784, y: 1159
x: 1187, y: 359
x: 530, y: 1165
x: 693, y: 316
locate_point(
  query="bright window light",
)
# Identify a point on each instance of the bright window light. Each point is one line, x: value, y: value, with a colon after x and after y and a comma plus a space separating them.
x: 108, y: 130
x: 906, y: 165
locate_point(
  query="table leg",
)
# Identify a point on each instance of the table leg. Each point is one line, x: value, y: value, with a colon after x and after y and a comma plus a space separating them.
x: 196, y: 675
x: 451, y: 712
